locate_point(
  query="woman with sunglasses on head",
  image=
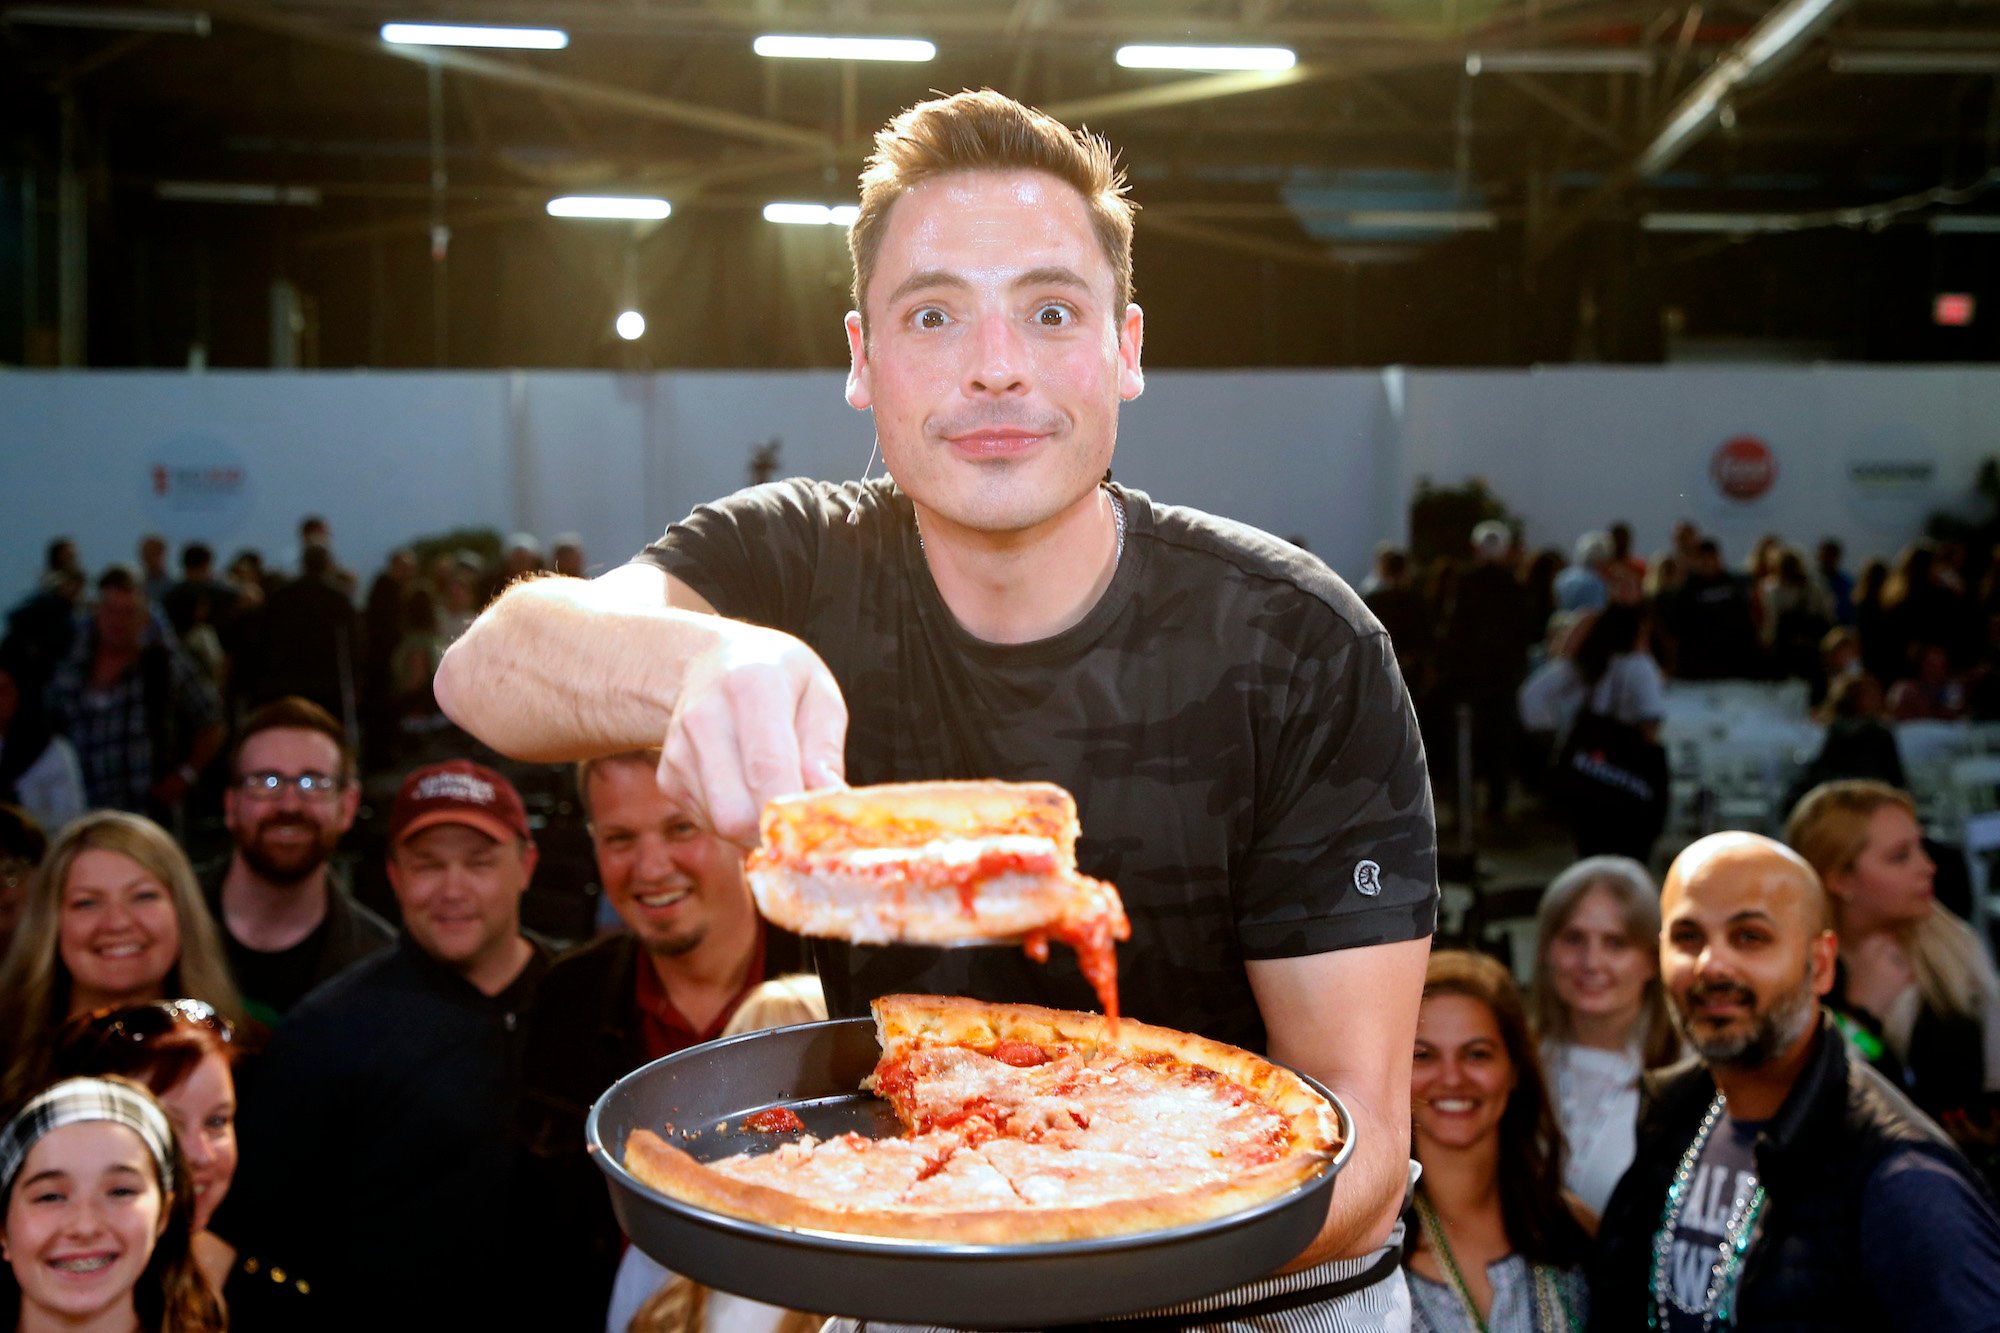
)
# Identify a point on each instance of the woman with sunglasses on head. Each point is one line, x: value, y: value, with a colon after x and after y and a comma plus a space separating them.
x: 1498, y: 1245
x: 185, y: 1054
x: 112, y: 917
x: 99, y: 1213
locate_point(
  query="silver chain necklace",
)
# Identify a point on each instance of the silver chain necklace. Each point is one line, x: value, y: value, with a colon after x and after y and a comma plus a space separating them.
x: 1117, y: 516
x: 1717, y: 1301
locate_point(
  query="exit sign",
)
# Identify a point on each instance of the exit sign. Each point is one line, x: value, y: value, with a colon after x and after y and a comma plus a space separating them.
x: 1952, y: 309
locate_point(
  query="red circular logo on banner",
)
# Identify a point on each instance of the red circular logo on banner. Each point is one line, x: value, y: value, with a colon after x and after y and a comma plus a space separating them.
x: 1743, y: 468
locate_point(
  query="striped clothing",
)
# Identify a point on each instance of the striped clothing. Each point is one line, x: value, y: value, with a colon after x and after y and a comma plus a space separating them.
x: 1287, y: 1303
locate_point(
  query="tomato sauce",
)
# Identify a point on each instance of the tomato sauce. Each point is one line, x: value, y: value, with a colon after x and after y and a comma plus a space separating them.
x: 775, y: 1120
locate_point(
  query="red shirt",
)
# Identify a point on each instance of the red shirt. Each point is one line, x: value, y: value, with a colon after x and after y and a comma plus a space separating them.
x: 662, y: 1027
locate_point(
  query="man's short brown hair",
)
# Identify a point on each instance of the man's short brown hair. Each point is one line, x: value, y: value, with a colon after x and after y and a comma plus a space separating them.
x: 649, y: 758
x: 989, y: 131
x: 294, y: 713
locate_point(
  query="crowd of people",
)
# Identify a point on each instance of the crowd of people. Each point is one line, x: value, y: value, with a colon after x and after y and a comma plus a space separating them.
x: 1542, y: 648
x: 228, y: 1036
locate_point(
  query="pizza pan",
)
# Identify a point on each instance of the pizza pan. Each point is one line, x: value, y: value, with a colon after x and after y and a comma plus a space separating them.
x: 698, y: 1099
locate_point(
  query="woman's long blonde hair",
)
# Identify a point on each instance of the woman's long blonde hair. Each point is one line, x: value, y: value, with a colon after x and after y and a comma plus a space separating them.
x: 1829, y: 828
x: 34, y: 983
x: 1631, y: 889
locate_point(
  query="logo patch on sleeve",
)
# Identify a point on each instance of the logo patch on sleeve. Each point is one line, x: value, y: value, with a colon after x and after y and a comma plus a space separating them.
x: 1368, y: 878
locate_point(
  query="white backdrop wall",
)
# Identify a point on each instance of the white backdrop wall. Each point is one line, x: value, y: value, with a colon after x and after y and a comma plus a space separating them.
x: 235, y: 458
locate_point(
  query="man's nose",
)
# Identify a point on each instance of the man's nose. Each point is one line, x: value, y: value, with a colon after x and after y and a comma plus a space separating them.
x: 997, y: 357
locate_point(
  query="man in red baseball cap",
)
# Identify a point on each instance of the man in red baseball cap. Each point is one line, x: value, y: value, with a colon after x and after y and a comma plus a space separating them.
x: 460, y: 857
x: 396, y: 1079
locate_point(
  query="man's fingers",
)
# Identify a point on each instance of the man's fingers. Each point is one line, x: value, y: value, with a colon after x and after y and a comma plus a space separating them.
x: 761, y: 707
x: 822, y: 732
x: 716, y: 767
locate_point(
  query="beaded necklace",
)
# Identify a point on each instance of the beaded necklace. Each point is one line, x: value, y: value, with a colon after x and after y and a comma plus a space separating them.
x: 1552, y: 1312
x: 1743, y: 1213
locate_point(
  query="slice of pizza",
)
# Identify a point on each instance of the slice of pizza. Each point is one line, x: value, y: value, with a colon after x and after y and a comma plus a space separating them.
x: 1025, y: 1124
x: 939, y: 863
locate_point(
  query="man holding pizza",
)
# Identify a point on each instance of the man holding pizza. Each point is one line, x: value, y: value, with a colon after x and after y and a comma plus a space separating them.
x: 1227, y: 713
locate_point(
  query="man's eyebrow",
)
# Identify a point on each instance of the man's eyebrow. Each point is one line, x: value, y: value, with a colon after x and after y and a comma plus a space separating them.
x: 925, y: 279
x: 1752, y: 914
x: 1053, y: 275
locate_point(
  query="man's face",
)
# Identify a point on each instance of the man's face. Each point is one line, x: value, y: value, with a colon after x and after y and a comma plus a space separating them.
x: 460, y: 890
x: 153, y: 555
x: 1743, y: 954
x: 121, y: 619
x: 996, y: 352
x: 285, y: 835
x: 672, y: 882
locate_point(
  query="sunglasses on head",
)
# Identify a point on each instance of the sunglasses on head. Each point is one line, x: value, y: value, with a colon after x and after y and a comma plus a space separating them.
x: 140, y: 1023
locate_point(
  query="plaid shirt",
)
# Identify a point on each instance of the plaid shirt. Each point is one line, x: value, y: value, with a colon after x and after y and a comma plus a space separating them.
x: 110, y: 729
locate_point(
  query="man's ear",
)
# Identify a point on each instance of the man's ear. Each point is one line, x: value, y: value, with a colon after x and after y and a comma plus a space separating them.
x: 531, y: 857
x: 1825, y: 950
x: 1131, y: 333
x: 860, y: 393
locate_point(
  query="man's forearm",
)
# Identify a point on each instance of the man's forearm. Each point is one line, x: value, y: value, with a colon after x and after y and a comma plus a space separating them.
x: 558, y: 669
x: 1367, y: 1196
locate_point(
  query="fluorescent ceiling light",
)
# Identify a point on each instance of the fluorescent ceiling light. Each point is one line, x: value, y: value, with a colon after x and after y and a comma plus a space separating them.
x: 1726, y: 224
x: 783, y: 47
x: 1217, y: 58
x: 1417, y: 219
x: 1966, y: 224
x: 1558, y: 62
x: 447, y: 34
x: 231, y: 192
x: 115, y: 20
x: 608, y: 206
x: 1915, y: 62
x: 813, y: 215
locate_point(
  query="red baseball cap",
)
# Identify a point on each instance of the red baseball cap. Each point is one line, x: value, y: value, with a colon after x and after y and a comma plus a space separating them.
x: 458, y: 791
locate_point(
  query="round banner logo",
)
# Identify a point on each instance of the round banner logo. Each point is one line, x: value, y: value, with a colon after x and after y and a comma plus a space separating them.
x: 195, y: 486
x: 1743, y: 468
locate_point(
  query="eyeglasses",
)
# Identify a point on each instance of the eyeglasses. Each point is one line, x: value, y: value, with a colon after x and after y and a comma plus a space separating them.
x: 87, y: 1037
x: 14, y: 872
x: 268, y: 786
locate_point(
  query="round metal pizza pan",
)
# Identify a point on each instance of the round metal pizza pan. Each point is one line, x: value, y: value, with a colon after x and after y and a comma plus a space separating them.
x: 698, y: 1099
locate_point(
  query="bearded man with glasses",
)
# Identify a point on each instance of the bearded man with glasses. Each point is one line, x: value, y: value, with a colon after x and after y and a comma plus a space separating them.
x: 288, y: 919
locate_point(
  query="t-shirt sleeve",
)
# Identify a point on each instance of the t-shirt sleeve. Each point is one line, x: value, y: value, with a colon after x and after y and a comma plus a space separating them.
x: 751, y: 554
x: 1930, y: 1247
x: 1345, y: 853
x: 1642, y: 690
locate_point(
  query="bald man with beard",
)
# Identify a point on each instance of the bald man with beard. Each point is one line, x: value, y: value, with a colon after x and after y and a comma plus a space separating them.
x: 1780, y: 1184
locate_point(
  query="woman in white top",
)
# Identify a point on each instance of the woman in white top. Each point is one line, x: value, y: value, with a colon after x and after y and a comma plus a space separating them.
x: 1597, y: 1007
x: 38, y: 770
x: 1604, y: 663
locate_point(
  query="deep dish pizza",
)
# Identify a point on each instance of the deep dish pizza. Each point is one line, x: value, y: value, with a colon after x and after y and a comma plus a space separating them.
x: 940, y: 863
x: 1023, y: 1124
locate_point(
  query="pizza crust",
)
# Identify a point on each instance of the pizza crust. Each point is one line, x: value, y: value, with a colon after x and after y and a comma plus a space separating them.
x: 898, y: 1193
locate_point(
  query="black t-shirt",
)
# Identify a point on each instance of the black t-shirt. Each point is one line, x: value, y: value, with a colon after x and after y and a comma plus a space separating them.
x: 273, y: 981
x: 1722, y: 1189
x: 1229, y: 716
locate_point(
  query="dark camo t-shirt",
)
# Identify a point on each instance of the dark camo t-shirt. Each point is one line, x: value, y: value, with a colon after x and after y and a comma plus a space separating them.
x: 1229, y: 716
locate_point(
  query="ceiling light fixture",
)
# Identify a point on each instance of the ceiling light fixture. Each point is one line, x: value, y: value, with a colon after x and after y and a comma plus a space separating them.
x: 108, y: 18
x: 451, y: 34
x: 1723, y: 224
x: 234, y: 192
x: 1558, y: 62
x: 609, y: 206
x: 1216, y: 59
x: 1914, y: 62
x: 812, y: 215
x: 1965, y: 224
x: 631, y: 325
x: 780, y: 46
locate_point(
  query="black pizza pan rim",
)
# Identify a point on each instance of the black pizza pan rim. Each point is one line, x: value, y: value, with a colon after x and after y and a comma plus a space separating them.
x: 894, y: 1247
